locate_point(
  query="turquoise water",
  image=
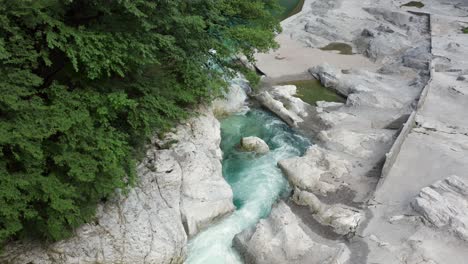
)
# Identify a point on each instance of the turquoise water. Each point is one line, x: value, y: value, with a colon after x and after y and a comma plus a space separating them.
x: 256, y: 182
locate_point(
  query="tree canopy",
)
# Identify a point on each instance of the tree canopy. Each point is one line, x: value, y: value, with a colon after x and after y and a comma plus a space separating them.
x: 85, y: 82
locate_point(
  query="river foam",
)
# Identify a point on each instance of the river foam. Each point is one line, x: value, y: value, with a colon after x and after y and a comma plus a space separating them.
x: 256, y: 181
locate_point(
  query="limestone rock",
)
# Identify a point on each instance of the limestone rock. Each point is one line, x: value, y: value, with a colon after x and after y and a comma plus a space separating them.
x: 329, y: 105
x: 400, y: 19
x: 417, y: 58
x: 316, y: 171
x: 234, y: 99
x: 445, y: 204
x: 279, y: 109
x: 327, y: 75
x: 286, y: 94
x: 342, y: 219
x: 381, y: 45
x: 363, y: 144
x: 206, y: 196
x: 254, y: 144
x: 281, y: 239
x: 177, y: 187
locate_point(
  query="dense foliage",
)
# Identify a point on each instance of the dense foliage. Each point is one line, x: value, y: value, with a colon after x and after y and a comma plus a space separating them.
x: 84, y: 82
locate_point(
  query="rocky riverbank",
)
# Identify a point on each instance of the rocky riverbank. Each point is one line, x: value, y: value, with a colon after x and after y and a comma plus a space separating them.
x: 403, y: 128
x: 385, y: 182
x: 180, y: 191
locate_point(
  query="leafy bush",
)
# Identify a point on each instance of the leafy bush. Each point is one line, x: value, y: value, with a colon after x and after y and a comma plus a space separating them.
x: 85, y: 82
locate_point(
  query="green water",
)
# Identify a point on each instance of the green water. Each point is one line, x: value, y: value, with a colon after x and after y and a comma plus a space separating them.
x: 256, y: 182
x: 311, y: 91
x: 343, y: 48
x: 290, y: 8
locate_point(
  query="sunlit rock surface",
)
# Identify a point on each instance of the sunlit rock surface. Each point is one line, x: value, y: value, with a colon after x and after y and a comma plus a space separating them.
x: 280, y: 238
x: 181, y: 186
x: 254, y: 144
x: 444, y: 204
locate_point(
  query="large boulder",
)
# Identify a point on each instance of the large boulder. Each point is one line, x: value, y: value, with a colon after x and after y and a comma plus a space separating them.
x: 234, y: 98
x: 286, y: 94
x: 318, y: 170
x: 278, y: 108
x: 205, y: 195
x: 281, y: 239
x: 382, y: 45
x: 178, y: 186
x: 254, y: 144
x: 343, y: 219
x: 368, y: 145
x: 328, y: 76
x: 444, y: 204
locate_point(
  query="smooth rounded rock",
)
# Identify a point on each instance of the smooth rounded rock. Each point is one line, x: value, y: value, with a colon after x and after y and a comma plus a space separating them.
x: 254, y: 144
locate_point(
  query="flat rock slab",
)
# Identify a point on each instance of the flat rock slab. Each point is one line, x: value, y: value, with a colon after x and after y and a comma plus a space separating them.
x: 280, y: 239
x: 293, y: 58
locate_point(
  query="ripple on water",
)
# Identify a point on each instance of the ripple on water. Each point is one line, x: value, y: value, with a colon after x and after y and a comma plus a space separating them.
x: 256, y: 182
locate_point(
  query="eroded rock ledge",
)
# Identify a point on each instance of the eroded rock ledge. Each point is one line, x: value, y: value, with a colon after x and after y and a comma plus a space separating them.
x: 179, y: 192
x: 282, y: 238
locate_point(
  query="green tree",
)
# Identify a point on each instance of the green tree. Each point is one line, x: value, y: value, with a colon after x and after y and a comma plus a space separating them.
x: 85, y: 82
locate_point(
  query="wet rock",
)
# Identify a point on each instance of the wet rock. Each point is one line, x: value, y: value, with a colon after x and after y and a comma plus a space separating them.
x: 254, y: 144
x: 277, y: 107
x: 233, y: 100
x: 444, y: 204
x: 280, y: 239
x: 343, y: 219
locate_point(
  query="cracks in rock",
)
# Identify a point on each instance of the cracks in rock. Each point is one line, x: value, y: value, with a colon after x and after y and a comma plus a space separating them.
x: 419, y: 127
x: 152, y: 242
x: 160, y: 192
x: 123, y: 230
x: 181, y: 196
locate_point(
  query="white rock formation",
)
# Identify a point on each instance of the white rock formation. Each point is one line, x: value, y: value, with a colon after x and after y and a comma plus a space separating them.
x: 406, y: 47
x: 328, y: 105
x: 254, y: 144
x: 342, y: 219
x: 445, y: 204
x: 205, y: 195
x: 318, y: 171
x: 281, y: 239
x: 286, y: 94
x: 179, y: 186
x: 277, y: 107
x: 234, y: 99
x: 358, y: 144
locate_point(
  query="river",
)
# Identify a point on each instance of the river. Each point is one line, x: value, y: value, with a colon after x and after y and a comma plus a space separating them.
x: 256, y: 181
